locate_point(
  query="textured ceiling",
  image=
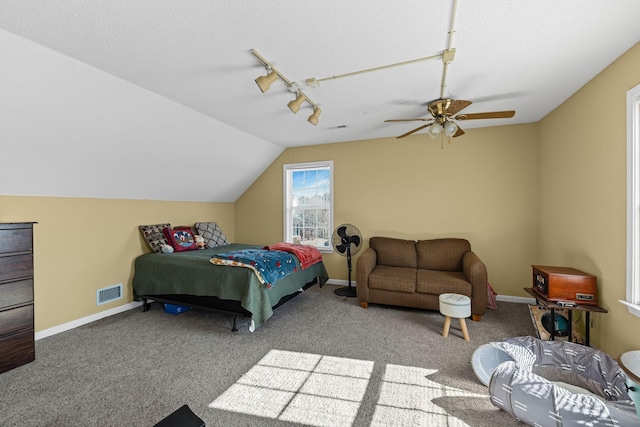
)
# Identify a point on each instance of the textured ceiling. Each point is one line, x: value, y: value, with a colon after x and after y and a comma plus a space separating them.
x: 97, y: 93
x: 526, y: 55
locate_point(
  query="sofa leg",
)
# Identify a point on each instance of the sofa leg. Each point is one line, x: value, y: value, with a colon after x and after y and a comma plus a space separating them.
x: 364, y: 304
x: 476, y: 317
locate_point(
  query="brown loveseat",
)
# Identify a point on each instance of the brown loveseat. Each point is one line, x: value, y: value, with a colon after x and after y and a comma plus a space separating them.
x: 413, y: 274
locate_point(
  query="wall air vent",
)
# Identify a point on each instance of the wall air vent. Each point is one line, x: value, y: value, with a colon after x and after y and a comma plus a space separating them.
x: 109, y: 294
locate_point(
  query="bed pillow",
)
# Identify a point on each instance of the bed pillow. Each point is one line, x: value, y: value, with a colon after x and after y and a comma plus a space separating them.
x: 154, y: 236
x: 181, y: 238
x: 211, y: 233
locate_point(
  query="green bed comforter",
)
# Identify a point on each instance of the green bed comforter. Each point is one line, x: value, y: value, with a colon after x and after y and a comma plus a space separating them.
x: 192, y: 273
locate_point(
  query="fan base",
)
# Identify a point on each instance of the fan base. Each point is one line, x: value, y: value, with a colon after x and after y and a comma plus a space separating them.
x: 346, y: 291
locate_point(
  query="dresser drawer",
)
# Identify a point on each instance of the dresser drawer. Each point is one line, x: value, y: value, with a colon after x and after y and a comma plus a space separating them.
x: 16, y: 240
x: 16, y: 266
x: 15, y: 293
x: 16, y: 319
x: 17, y: 350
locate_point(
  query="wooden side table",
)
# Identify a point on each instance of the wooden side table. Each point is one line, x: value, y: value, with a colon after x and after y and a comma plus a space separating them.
x: 588, y: 309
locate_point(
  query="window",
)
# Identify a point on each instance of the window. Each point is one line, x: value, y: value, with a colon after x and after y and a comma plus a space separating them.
x: 633, y: 201
x: 308, y: 204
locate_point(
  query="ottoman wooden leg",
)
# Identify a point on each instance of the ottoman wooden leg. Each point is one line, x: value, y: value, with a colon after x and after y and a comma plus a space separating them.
x: 456, y: 306
x: 447, y: 323
x: 463, y: 326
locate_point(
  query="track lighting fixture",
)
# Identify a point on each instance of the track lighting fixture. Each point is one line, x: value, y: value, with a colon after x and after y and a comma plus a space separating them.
x: 296, y: 103
x: 313, y: 119
x: 264, y: 83
x: 315, y: 82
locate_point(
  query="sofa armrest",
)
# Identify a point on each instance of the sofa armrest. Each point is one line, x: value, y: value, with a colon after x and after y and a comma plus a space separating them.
x: 476, y: 273
x: 364, y: 266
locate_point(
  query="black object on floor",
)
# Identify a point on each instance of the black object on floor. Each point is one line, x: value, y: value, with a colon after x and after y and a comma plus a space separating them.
x: 182, y: 417
x: 346, y: 291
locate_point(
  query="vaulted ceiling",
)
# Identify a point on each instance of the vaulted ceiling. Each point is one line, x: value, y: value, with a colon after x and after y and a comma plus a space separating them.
x: 526, y: 55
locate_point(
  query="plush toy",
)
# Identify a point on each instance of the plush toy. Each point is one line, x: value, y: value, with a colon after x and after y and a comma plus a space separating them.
x: 200, y: 244
x: 166, y: 249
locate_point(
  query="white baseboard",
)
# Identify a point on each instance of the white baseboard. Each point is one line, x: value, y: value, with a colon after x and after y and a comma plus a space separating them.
x: 83, y: 321
x: 505, y: 298
x: 521, y: 300
x: 122, y: 308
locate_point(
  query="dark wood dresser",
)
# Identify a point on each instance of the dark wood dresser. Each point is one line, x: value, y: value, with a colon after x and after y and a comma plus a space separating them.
x: 17, y: 345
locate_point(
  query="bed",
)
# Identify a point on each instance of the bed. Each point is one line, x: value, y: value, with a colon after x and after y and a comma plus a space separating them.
x: 189, y: 278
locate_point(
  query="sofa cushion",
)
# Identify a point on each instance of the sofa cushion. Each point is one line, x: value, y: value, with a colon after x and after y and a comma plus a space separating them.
x: 442, y: 282
x: 442, y: 254
x: 398, y: 279
x: 394, y: 252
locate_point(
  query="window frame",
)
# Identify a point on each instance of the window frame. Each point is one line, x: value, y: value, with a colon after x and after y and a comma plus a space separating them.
x: 633, y: 202
x: 287, y: 170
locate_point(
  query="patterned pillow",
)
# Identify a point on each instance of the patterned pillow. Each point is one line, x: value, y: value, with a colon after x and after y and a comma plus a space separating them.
x: 181, y: 238
x: 211, y: 233
x: 153, y: 235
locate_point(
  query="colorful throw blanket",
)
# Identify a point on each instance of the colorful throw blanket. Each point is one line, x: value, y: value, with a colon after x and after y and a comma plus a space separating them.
x: 307, y: 255
x: 269, y: 266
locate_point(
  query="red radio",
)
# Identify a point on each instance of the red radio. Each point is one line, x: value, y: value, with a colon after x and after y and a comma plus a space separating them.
x: 564, y: 284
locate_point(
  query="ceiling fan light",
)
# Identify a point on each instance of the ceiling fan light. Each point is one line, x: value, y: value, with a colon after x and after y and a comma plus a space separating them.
x: 313, y: 119
x: 296, y: 103
x: 434, y: 130
x: 264, y: 82
x: 450, y: 128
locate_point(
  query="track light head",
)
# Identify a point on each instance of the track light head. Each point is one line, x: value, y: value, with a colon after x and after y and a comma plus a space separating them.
x: 264, y: 82
x: 296, y: 103
x: 313, y: 119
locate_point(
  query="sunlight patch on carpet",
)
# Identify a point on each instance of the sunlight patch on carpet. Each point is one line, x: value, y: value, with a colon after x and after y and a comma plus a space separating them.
x: 300, y: 387
x: 317, y: 390
x: 407, y: 398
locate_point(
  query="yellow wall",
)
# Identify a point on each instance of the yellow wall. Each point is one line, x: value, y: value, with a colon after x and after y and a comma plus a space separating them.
x: 583, y: 194
x: 82, y: 245
x: 482, y: 186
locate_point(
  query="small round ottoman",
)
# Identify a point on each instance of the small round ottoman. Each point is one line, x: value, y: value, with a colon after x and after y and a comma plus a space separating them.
x: 457, y: 306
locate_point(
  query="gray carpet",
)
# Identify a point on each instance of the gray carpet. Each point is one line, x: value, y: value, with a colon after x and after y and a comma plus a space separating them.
x: 135, y: 368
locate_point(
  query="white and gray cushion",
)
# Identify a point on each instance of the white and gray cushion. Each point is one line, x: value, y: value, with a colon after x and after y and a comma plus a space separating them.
x: 534, y: 392
x: 211, y: 233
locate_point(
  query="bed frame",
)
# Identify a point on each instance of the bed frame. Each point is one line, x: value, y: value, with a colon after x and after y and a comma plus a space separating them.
x: 214, y: 304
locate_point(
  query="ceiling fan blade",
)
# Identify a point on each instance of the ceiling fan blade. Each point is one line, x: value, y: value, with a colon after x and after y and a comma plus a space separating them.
x: 490, y: 115
x: 407, y: 120
x: 459, y: 132
x: 457, y: 105
x: 413, y: 131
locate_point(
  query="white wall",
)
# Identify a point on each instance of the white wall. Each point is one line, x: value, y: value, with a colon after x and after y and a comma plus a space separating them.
x: 70, y: 130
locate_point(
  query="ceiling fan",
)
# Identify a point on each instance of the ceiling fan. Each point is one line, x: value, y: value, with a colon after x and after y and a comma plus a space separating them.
x: 443, y: 112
